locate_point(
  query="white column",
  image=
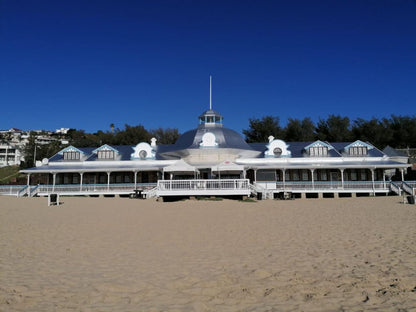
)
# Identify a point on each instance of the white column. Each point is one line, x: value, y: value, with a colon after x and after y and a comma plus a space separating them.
x: 313, y: 180
x: 135, y: 180
x: 28, y: 184
x: 53, y: 181
x: 384, y: 178
x: 342, y: 178
x: 402, y: 172
x: 80, y: 180
x: 372, y: 178
x: 284, y: 178
x: 108, y: 180
x: 255, y: 175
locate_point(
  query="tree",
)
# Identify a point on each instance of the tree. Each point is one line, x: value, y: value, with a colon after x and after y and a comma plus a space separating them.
x: 373, y: 131
x: 334, y: 129
x: 79, y: 138
x: 132, y: 135
x: 165, y: 136
x: 403, y: 130
x: 260, y: 129
x: 297, y: 130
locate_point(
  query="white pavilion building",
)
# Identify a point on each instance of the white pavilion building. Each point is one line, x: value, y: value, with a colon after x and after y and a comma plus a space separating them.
x: 212, y: 160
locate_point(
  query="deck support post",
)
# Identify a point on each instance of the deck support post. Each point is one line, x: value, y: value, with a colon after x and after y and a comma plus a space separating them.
x: 402, y: 172
x: 384, y: 179
x: 135, y: 180
x: 342, y: 178
x: 28, y: 179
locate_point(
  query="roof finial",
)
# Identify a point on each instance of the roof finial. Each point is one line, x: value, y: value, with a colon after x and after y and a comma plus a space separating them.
x: 210, y: 92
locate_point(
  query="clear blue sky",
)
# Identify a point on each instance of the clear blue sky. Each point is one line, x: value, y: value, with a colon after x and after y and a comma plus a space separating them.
x: 87, y: 64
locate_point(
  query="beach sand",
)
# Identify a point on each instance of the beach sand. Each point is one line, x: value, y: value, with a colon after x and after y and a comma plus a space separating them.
x: 120, y: 254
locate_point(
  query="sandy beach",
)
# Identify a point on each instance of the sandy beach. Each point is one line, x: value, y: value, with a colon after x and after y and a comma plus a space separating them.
x: 120, y: 254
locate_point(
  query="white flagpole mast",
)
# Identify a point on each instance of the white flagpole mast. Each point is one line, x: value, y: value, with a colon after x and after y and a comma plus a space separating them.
x: 210, y: 92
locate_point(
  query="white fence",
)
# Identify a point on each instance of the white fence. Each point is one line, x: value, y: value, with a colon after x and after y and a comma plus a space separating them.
x: 409, y: 187
x: 13, y: 190
x: 332, y: 186
x: 92, y: 189
x: 203, y: 187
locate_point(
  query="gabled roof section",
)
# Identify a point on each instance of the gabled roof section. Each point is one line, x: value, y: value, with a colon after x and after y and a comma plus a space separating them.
x: 392, y: 152
x: 319, y: 143
x: 106, y: 147
x: 70, y: 149
x: 359, y: 143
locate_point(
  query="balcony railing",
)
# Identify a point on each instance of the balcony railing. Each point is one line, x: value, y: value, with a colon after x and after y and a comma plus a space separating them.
x: 183, y: 185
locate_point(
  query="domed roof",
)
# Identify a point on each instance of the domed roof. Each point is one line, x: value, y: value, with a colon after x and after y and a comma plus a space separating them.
x: 210, y: 138
x: 226, y: 138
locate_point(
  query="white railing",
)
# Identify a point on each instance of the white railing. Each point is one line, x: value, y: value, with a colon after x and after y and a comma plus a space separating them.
x: 408, y: 187
x: 151, y: 193
x: 395, y: 188
x: 23, y: 191
x: 331, y: 185
x: 14, y: 190
x: 119, y: 188
x: 190, y: 185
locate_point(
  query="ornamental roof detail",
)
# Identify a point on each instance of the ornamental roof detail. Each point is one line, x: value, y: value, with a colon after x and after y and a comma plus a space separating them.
x: 70, y: 149
x: 106, y: 147
x: 319, y: 143
x: 359, y: 143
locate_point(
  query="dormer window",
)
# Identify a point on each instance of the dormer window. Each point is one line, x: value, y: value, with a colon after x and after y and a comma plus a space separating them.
x: 72, y: 155
x: 105, y: 154
x: 358, y: 151
x: 318, y: 151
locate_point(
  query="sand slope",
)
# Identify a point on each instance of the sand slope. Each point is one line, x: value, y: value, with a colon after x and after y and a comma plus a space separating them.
x: 113, y: 254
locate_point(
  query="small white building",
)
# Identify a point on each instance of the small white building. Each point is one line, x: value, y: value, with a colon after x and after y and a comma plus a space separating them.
x: 10, y: 155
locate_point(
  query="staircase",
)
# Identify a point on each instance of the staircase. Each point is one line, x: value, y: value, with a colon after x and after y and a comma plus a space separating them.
x: 257, y: 189
x: 151, y: 192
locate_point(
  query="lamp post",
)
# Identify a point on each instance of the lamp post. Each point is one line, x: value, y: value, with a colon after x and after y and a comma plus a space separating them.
x: 34, y: 155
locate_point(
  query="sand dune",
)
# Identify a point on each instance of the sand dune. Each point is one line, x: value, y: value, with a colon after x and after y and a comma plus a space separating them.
x: 115, y: 254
